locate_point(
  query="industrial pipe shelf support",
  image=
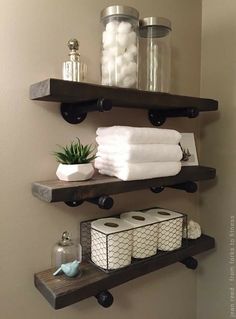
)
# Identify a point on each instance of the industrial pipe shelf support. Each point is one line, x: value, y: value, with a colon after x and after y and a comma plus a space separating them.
x: 75, y: 113
x: 190, y: 263
x: 158, y: 117
x: 189, y: 187
x: 105, y: 298
x: 103, y: 202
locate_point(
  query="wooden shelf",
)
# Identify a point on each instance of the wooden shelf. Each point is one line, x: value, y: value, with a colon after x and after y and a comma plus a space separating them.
x: 59, y: 191
x: 56, y: 90
x: 79, y: 98
x: 61, y: 291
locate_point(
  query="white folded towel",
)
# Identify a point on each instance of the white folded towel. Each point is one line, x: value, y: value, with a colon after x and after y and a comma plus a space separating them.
x: 136, y: 171
x: 139, y: 153
x: 136, y: 135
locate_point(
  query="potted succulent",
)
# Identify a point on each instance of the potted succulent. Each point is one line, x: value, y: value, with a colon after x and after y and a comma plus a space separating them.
x: 75, y: 162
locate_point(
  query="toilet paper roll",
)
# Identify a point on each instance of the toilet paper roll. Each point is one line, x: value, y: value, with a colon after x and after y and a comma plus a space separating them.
x: 170, y: 228
x: 111, y: 243
x: 145, y: 230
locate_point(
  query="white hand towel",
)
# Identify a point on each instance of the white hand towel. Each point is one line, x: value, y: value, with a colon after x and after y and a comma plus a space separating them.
x: 139, y: 153
x: 136, y: 135
x: 136, y: 171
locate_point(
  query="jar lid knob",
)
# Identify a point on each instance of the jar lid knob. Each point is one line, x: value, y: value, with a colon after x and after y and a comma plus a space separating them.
x: 73, y: 44
x: 65, y: 239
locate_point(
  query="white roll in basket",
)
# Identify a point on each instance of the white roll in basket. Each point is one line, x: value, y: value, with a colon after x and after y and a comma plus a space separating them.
x: 111, y: 243
x: 145, y: 230
x: 170, y: 228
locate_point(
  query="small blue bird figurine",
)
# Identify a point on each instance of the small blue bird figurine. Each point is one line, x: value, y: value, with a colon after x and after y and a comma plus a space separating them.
x: 69, y: 269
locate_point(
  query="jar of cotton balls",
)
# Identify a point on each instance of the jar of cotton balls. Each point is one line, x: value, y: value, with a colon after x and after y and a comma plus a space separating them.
x: 119, y: 54
x: 154, y: 54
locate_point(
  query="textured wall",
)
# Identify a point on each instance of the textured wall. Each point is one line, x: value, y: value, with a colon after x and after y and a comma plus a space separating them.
x: 217, y: 212
x: 33, y: 46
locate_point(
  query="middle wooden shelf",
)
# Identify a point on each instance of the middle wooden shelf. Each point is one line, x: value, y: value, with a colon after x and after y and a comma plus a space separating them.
x: 59, y: 191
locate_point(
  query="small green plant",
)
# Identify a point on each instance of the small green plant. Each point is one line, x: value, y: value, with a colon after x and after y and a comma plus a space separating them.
x: 75, y: 153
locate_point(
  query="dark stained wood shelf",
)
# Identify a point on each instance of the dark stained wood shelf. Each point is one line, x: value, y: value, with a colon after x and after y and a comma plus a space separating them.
x: 56, y: 90
x: 59, y: 191
x: 61, y: 291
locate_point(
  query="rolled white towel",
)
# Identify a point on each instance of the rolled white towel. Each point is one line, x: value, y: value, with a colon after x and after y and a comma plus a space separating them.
x: 139, y: 153
x: 136, y: 171
x: 136, y: 135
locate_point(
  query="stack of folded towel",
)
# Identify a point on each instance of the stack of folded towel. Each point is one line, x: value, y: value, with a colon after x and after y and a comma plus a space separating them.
x: 132, y: 153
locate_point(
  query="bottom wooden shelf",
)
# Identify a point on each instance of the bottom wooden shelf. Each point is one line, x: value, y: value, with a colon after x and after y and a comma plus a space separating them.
x: 61, y: 291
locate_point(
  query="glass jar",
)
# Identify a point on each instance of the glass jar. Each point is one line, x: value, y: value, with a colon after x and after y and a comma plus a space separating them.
x: 119, y: 56
x: 65, y: 251
x: 154, y: 54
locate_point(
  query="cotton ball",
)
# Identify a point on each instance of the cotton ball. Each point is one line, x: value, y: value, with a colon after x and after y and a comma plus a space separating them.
x: 129, y: 81
x: 132, y: 38
x: 120, y: 60
x: 118, y: 78
x: 112, y: 26
x: 129, y: 69
x: 104, y: 70
x: 105, y: 80
x: 132, y: 49
x: 132, y: 68
x: 128, y: 57
x: 116, y: 50
x: 124, y: 70
x: 111, y: 66
x: 123, y: 39
x: 124, y: 27
x: 108, y: 39
x: 105, y: 57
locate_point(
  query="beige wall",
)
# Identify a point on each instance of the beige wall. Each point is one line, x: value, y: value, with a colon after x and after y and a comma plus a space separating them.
x: 217, y: 202
x: 33, y: 46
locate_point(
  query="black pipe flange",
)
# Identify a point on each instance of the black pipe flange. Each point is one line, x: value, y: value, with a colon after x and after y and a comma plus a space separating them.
x: 105, y: 298
x: 190, y: 263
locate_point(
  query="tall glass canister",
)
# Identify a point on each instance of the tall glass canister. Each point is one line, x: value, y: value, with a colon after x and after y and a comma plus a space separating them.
x: 154, y: 54
x: 119, y: 56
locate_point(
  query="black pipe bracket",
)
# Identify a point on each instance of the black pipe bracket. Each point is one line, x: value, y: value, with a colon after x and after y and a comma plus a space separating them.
x: 75, y: 113
x: 103, y: 202
x: 189, y: 187
x: 158, y: 118
x: 190, y: 263
x: 105, y: 298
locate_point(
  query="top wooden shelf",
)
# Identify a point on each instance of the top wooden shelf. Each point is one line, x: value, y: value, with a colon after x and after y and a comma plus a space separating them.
x: 56, y: 90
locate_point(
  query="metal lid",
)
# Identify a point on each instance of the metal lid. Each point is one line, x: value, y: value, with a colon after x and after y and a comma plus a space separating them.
x: 155, y: 21
x: 119, y: 10
x: 65, y: 239
x: 73, y: 45
x: 154, y: 27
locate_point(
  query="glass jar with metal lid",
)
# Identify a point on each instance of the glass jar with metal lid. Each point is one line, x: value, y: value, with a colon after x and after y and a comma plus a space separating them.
x: 154, y: 54
x: 65, y: 250
x: 119, y: 56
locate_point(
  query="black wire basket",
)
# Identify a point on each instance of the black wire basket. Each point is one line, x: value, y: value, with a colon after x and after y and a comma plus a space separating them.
x: 120, y: 249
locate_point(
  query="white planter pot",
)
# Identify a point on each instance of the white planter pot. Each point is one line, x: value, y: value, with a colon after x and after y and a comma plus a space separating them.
x: 75, y: 172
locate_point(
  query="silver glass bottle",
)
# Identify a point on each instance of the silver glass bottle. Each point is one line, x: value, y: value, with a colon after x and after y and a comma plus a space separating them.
x: 74, y: 69
x: 154, y: 54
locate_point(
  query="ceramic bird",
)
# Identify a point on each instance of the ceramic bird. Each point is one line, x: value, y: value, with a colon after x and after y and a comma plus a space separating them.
x: 69, y: 269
